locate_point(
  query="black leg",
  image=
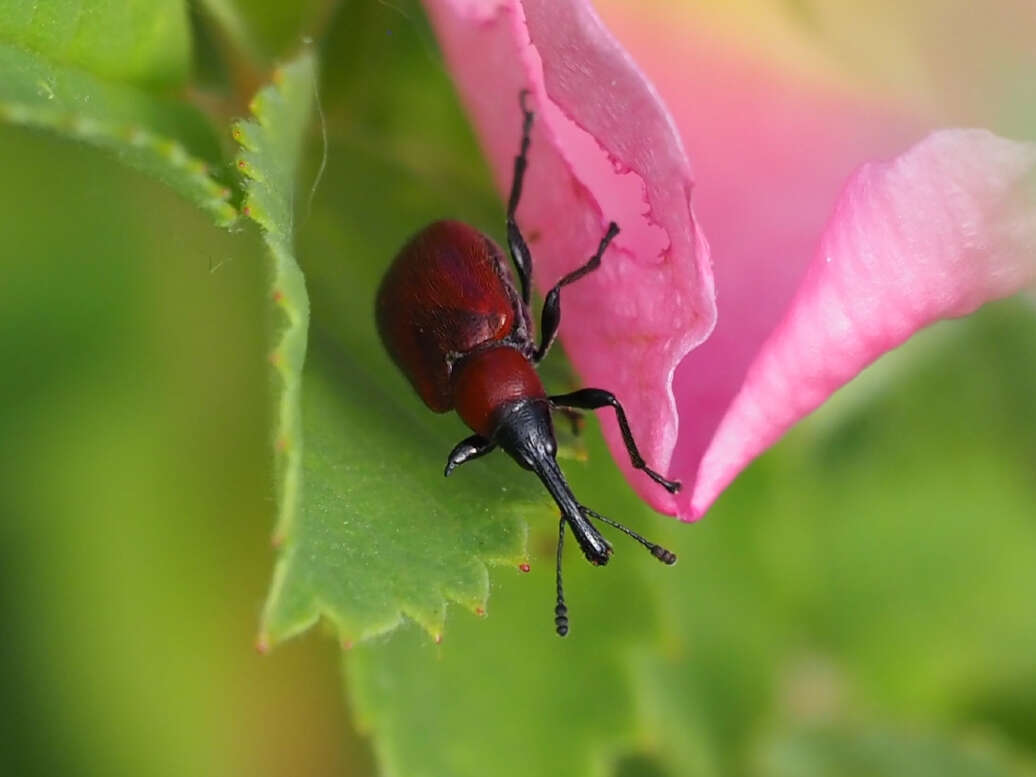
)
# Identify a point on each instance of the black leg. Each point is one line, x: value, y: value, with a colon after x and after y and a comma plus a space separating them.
x: 593, y: 399
x: 515, y: 242
x: 467, y: 449
x: 560, y: 610
x: 551, y: 317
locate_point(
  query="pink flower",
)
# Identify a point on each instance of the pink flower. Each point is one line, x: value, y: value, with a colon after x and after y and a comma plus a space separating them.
x: 823, y: 259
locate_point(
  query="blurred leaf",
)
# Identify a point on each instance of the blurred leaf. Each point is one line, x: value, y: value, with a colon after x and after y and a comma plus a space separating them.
x: 883, y: 753
x: 145, y: 42
x: 862, y: 567
x: 265, y: 28
x: 133, y: 506
x: 167, y: 140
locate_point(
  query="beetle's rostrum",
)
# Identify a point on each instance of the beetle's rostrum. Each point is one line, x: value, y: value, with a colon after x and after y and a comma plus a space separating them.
x: 451, y: 318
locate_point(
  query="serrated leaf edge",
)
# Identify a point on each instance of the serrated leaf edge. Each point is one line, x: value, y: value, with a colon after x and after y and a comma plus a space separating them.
x: 290, y: 300
x: 435, y: 626
x: 208, y: 193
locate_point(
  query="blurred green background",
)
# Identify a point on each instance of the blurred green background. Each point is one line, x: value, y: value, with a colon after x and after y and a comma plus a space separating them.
x: 861, y: 601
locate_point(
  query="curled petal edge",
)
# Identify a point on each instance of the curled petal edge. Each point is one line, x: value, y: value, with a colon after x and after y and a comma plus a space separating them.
x: 627, y: 325
x: 934, y: 233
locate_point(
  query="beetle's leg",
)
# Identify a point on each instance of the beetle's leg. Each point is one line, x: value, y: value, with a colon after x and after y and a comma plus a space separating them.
x: 515, y: 242
x: 467, y: 449
x: 551, y: 317
x: 560, y: 610
x: 593, y: 399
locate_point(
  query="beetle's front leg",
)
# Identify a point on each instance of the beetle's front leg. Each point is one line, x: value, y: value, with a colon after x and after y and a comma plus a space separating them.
x: 593, y: 399
x: 467, y: 449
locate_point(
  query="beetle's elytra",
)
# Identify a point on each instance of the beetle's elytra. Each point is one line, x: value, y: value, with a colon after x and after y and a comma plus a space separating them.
x: 451, y: 318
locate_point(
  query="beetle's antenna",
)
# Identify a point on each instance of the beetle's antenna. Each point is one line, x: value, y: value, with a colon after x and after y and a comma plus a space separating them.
x: 662, y: 554
x: 560, y: 610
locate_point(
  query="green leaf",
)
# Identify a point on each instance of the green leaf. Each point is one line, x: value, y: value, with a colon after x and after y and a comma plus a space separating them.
x: 145, y: 42
x: 271, y: 145
x: 856, y: 752
x: 379, y: 533
x: 168, y: 140
x: 382, y: 534
x: 507, y: 696
x: 356, y: 547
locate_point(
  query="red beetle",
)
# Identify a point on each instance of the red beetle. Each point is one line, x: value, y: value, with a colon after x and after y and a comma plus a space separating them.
x: 451, y: 318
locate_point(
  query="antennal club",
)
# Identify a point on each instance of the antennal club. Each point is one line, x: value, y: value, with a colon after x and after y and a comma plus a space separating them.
x: 662, y: 554
x: 560, y: 610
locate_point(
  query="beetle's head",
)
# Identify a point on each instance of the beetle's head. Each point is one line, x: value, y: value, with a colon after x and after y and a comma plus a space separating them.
x: 525, y: 430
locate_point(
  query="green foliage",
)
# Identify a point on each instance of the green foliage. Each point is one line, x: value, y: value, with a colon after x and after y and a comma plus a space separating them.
x: 355, y: 546
x: 859, y: 603
x: 145, y: 42
x: 506, y: 695
x: 856, y: 753
x: 381, y: 535
x: 269, y: 162
x: 267, y: 27
x: 162, y: 138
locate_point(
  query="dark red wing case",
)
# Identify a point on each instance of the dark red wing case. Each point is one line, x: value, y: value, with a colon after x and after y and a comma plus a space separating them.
x: 448, y: 291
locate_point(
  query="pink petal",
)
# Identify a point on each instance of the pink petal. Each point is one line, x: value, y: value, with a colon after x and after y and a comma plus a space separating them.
x: 604, y: 148
x: 772, y: 148
x: 933, y: 234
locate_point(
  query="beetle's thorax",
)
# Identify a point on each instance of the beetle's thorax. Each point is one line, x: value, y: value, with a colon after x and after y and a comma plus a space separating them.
x: 487, y: 383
